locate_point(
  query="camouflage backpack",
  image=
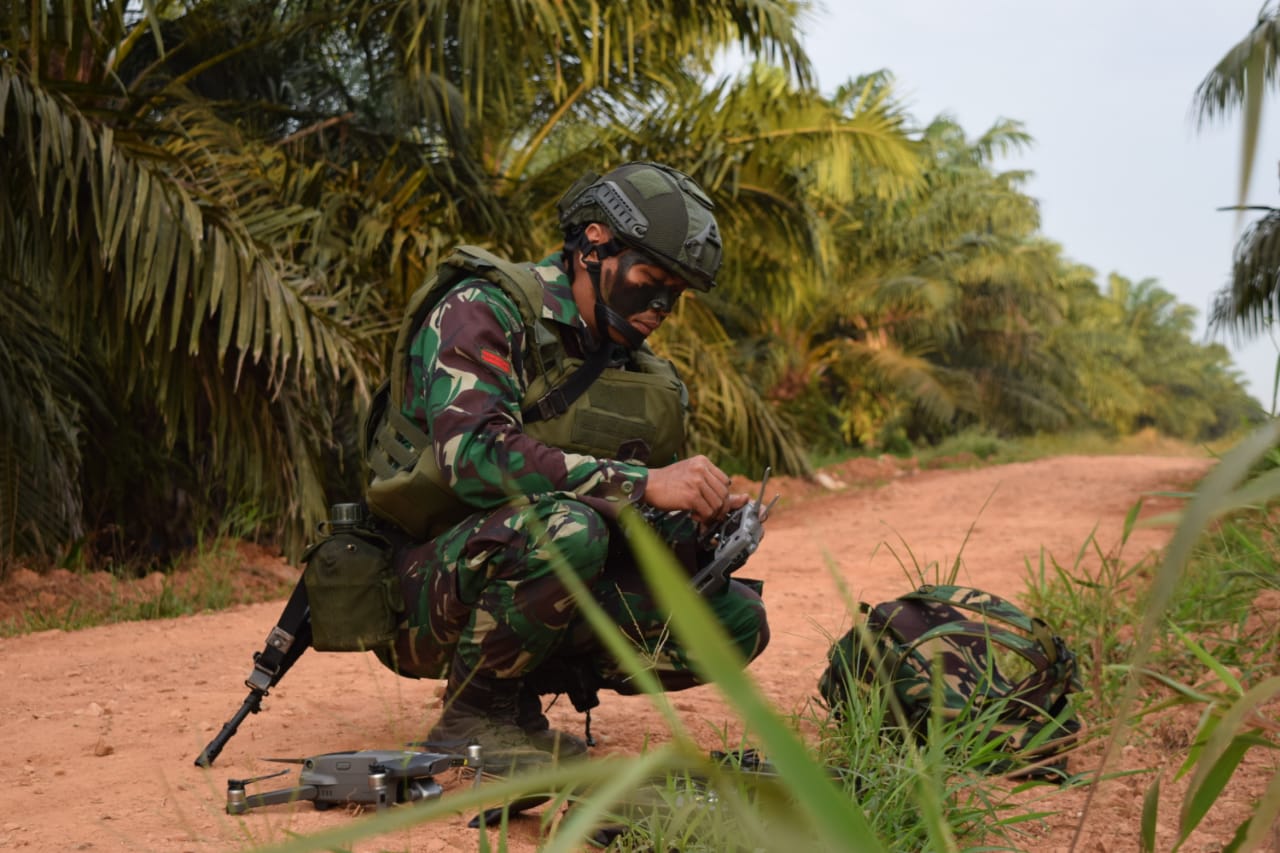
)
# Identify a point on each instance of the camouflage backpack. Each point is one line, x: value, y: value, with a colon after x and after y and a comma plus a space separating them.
x: 901, y: 643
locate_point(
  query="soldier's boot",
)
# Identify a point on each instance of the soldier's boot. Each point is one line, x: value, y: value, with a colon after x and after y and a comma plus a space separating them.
x: 481, y: 709
x: 534, y: 723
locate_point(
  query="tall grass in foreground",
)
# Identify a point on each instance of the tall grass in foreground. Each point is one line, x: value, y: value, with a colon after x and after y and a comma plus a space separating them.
x: 887, y: 792
x: 1232, y: 723
x: 1179, y: 633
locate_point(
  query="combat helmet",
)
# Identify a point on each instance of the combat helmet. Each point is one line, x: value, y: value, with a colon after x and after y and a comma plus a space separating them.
x: 651, y: 207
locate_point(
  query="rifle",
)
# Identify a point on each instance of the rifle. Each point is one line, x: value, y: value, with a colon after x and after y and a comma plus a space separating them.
x: 733, y: 540
x: 285, y: 644
x: 350, y: 556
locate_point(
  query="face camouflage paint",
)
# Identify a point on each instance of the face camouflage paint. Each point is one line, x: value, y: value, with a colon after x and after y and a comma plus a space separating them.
x: 629, y: 296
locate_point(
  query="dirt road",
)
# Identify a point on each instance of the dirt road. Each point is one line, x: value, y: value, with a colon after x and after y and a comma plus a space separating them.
x: 98, y: 728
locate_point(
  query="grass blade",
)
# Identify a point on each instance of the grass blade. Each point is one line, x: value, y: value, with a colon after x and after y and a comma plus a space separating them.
x: 1225, y: 747
x: 839, y: 822
x: 1202, y: 796
x: 1150, y: 810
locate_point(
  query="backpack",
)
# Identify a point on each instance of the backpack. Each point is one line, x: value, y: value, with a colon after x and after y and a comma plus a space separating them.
x: 900, y: 643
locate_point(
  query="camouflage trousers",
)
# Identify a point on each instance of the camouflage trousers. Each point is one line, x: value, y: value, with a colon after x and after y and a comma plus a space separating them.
x: 486, y: 591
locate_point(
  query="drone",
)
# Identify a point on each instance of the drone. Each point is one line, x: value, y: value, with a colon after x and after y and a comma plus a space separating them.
x: 371, y: 777
x: 377, y: 778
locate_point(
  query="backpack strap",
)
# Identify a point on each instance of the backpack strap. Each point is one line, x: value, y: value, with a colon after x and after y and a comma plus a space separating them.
x: 936, y: 614
x: 984, y: 633
x: 975, y: 600
x: 1060, y: 663
x: 992, y: 608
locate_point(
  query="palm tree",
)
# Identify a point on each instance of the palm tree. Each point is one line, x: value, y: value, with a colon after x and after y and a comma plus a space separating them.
x: 151, y: 249
x: 1102, y: 345
x: 947, y: 299
x: 1185, y: 385
x: 216, y: 209
x: 764, y: 141
x: 1249, y: 302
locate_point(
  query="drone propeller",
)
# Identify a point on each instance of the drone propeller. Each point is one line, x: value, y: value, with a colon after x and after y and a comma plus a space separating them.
x: 244, y: 783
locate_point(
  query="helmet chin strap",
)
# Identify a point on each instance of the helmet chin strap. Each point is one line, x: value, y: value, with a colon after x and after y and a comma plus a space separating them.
x: 607, y: 318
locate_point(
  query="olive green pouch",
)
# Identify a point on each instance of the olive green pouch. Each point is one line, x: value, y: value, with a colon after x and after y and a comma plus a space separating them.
x: 353, y: 592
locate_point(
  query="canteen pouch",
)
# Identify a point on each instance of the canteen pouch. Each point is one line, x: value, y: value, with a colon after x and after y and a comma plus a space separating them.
x: 353, y: 592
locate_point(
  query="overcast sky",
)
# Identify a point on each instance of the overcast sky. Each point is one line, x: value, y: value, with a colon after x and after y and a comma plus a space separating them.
x: 1125, y: 181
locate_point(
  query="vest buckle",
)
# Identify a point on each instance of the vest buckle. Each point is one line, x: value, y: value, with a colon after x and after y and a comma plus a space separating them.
x: 551, y: 405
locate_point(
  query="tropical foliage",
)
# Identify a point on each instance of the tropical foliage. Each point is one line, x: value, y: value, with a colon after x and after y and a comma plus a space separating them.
x: 1249, y: 303
x: 212, y: 212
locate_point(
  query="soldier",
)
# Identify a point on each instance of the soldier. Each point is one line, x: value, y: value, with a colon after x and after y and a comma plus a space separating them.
x: 525, y: 410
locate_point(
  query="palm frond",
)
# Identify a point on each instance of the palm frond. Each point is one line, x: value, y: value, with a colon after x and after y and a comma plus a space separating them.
x: 729, y: 417
x: 42, y: 393
x: 1246, y: 69
x: 1238, y: 81
x: 551, y: 49
x: 783, y: 164
x: 1250, y: 302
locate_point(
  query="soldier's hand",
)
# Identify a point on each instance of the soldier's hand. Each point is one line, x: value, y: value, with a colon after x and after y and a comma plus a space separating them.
x: 694, y: 485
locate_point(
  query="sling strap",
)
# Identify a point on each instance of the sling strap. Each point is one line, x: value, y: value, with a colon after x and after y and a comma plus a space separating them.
x: 286, y: 642
x: 290, y: 637
x: 557, y: 401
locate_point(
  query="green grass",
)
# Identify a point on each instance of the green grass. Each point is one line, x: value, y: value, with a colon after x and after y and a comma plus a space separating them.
x: 1173, y: 634
x: 166, y: 603
x: 860, y: 786
x: 1098, y: 609
x: 1148, y: 635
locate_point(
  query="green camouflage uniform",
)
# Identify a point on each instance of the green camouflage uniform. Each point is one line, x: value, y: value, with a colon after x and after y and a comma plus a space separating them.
x: 486, y: 589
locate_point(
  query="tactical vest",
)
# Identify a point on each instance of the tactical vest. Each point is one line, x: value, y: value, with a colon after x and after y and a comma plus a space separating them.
x: 621, y: 412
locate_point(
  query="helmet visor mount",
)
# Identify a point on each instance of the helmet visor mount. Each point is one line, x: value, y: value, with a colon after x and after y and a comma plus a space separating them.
x: 656, y: 209
x: 628, y: 221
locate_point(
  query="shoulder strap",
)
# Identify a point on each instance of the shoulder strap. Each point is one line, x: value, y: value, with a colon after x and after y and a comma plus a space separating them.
x: 993, y: 608
x: 985, y: 633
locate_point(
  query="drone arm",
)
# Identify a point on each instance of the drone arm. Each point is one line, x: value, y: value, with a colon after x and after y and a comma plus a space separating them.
x: 238, y: 802
x: 283, y: 795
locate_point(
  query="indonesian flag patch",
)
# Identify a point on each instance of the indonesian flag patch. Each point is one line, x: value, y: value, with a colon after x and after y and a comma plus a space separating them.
x: 494, y: 360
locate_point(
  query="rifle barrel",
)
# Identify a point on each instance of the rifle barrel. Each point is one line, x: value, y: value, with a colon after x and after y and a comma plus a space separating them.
x: 251, y: 705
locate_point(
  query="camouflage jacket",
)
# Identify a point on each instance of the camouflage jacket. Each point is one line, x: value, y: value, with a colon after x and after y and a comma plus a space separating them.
x: 465, y: 381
